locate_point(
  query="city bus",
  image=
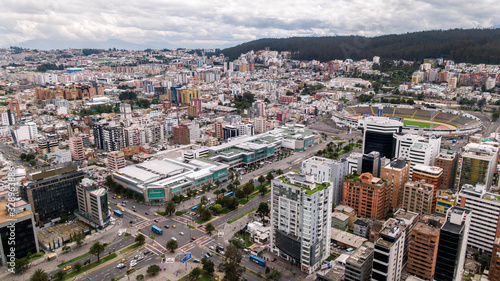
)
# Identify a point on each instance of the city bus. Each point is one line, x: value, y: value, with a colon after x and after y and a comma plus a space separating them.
x: 157, y: 230
x: 231, y: 193
x: 194, y: 208
x: 257, y: 260
x: 118, y: 213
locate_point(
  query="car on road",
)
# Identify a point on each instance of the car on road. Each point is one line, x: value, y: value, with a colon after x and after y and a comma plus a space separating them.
x: 124, y: 260
x: 273, y: 260
x: 123, y: 210
x: 133, y: 207
x: 181, y: 233
x: 146, y: 252
x: 140, y: 258
x: 193, y: 238
x: 173, y: 226
x: 136, y: 256
x: 120, y: 265
x: 173, y: 238
x: 211, y: 248
x: 135, y: 210
x: 155, y: 214
x: 156, y: 220
x: 119, y: 197
x: 147, y: 213
x: 196, y: 261
x: 166, y: 226
x: 67, y: 268
x: 207, y: 256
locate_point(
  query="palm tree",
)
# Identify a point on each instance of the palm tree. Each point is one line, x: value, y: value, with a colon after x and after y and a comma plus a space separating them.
x: 96, y: 249
x: 39, y: 275
x: 203, y: 200
x: 217, y: 192
x: 170, y: 208
x: 60, y: 275
x: 78, y: 267
x: 172, y: 245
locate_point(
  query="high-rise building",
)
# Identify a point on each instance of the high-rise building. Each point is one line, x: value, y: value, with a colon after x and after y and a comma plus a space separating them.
x: 260, y: 106
x: 108, y: 137
x: 432, y: 175
x: 181, y: 134
x: 300, y: 220
x: 453, y: 245
x: 423, y: 247
x: 405, y: 142
x: 52, y: 193
x: 378, y: 135
x: 354, y: 162
x: 367, y: 195
x: 358, y: 266
x: 485, y: 223
x: 389, y: 251
x: 417, y: 197
x: 125, y: 110
x: 17, y: 230
x: 116, y: 160
x: 219, y: 132
x: 229, y: 132
x: 447, y: 160
x: 445, y: 200
x: 260, y: 125
x: 479, y: 162
x: 92, y: 204
x: 324, y: 169
x: 495, y: 261
x: 372, y: 163
x: 76, y: 148
x: 396, y: 173
x: 407, y: 220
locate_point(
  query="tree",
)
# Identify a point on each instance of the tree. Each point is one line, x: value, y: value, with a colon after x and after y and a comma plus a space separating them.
x: 239, y: 193
x: 78, y: 238
x: 172, y: 245
x: 279, y: 172
x: 217, y: 192
x: 193, y: 275
x: 140, y: 239
x: 97, y: 249
x: 139, y: 277
x: 77, y: 266
x: 269, y: 177
x: 273, y: 275
x: 263, y: 209
x: 209, y: 228
x: 263, y: 190
x: 39, y: 275
x: 261, y: 179
x: 170, y: 208
x: 203, y: 200
x: 237, y: 243
x: 60, y: 275
x: 205, y: 214
x: 208, y: 266
x: 484, y: 260
x: 231, y: 267
x: 153, y: 269
x: 21, y: 265
x: 230, y: 186
x: 248, y: 189
x: 216, y: 208
x: 64, y: 219
x: 236, y: 182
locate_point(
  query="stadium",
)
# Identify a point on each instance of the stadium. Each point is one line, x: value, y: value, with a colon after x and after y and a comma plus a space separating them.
x: 415, y: 119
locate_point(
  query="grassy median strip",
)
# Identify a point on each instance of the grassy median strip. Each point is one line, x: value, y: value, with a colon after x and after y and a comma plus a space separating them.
x: 129, y: 248
x: 89, y: 266
x: 74, y: 259
x: 242, y: 215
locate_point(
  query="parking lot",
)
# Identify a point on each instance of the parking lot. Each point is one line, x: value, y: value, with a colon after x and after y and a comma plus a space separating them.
x: 182, y: 240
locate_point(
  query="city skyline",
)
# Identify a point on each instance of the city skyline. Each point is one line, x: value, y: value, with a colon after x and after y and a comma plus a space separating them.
x: 197, y: 24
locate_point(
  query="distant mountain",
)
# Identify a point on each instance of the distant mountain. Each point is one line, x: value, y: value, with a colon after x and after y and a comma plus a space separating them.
x: 46, y: 44
x: 460, y: 45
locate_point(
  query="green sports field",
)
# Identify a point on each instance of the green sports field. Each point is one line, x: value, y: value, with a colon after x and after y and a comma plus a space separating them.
x: 418, y: 124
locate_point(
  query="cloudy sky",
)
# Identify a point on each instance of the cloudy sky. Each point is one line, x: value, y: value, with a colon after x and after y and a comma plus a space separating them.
x: 222, y: 23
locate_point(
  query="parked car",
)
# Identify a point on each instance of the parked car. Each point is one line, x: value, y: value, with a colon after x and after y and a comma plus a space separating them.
x: 181, y: 233
x: 166, y: 226
x: 147, y: 213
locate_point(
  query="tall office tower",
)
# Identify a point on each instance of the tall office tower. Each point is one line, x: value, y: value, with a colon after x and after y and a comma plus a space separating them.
x: 260, y: 125
x: 116, y: 160
x: 447, y: 160
x: 76, y: 148
x: 495, y: 261
x: 423, y: 248
x: 453, y: 245
x: 358, y: 266
x: 125, y: 110
x: 354, y: 162
x: 389, y: 250
x: 52, y: 193
x: 181, y: 134
x: 230, y: 132
x: 324, y: 169
x: 372, y: 163
x: 108, y: 137
x: 301, y: 220
x: 404, y: 143
x: 396, y: 173
x: 445, y: 200
x: 432, y: 175
x: 92, y: 204
x: 417, y: 197
x: 219, y: 131
x: 479, y: 162
x: 408, y: 220
x: 260, y: 106
x: 367, y: 195
x: 17, y: 229
x: 485, y: 223
x: 378, y: 135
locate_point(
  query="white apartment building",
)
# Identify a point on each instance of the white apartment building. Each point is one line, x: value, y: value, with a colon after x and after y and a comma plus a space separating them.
x: 260, y: 125
x: 485, y: 220
x: 63, y: 156
x: 354, y: 162
x: 389, y: 252
x: 301, y: 220
x: 245, y: 129
x: 405, y: 142
x: 324, y: 169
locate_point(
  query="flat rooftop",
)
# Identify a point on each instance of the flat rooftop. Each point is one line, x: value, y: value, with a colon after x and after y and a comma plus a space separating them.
x: 5, y: 216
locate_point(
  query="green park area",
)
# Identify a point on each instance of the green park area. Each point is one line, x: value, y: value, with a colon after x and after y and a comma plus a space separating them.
x: 419, y: 124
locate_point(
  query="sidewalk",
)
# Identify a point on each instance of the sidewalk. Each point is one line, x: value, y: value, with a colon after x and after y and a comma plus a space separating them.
x: 108, y: 235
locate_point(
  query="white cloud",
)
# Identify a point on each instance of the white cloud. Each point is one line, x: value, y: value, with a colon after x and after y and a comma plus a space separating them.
x: 181, y: 23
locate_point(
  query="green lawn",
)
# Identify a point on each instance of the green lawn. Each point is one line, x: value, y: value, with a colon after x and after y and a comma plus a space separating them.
x: 36, y: 256
x: 417, y: 123
x: 131, y: 247
x: 203, y: 221
x: 89, y: 266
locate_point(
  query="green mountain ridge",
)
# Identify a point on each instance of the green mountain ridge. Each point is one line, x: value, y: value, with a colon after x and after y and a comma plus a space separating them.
x: 460, y: 45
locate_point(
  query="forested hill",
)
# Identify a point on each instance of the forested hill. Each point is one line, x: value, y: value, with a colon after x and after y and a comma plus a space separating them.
x: 460, y: 45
